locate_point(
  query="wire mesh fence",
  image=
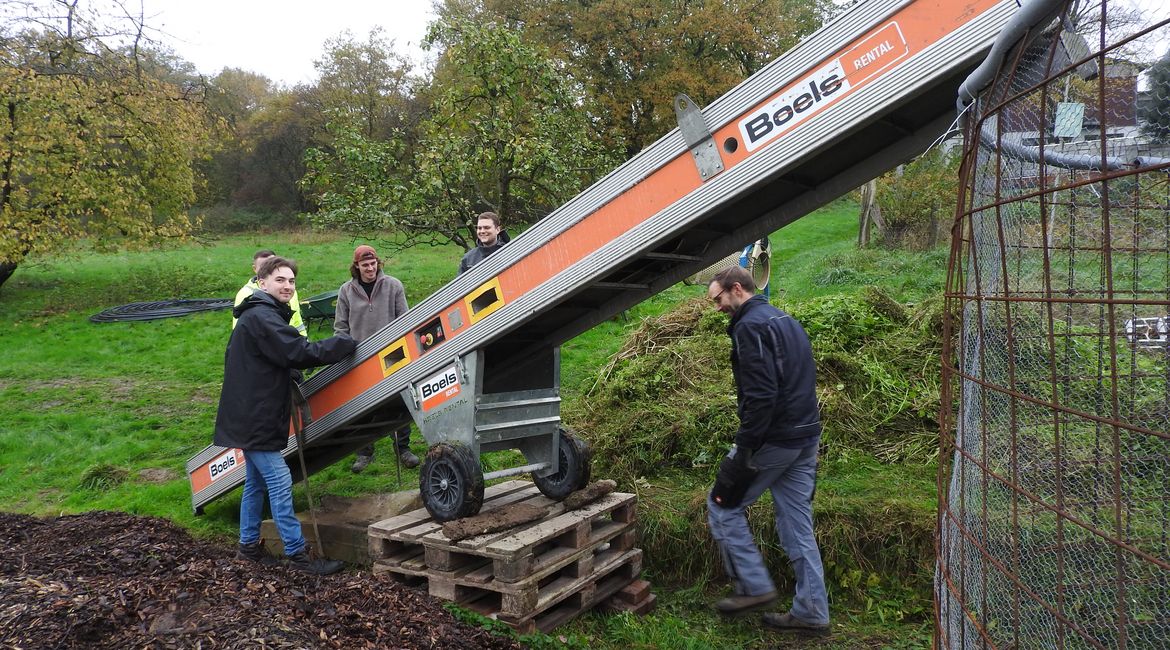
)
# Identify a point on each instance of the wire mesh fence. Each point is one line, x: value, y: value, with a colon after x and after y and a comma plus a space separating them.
x: 1054, y: 524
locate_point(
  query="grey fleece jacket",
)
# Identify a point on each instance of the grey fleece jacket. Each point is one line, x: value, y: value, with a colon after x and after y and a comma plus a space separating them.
x: 360, y: 317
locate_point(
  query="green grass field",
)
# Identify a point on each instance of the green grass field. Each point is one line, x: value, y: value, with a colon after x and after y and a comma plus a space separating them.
x: 104, y: 416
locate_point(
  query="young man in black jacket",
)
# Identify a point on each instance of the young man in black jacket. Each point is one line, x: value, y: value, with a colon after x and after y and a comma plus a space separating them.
x: 775, y: 449
x: 255, y: 408
x: 489, y: 238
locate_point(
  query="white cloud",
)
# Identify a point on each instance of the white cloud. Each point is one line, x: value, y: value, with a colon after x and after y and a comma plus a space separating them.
x: 279, y: 39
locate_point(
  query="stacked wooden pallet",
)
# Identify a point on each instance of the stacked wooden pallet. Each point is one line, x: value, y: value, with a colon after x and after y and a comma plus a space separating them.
x: 533, y: 577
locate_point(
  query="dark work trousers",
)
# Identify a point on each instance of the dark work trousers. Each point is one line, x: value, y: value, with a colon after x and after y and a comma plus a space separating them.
x: 401, y: 442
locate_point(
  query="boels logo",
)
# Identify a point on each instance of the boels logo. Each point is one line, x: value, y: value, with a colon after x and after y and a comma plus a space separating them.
x: 230, y: 460
x: 872, y: 55
x: 790, y: 107
x: 438, y: 388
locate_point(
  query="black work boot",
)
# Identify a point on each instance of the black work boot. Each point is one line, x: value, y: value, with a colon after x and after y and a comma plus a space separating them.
x: 409, y: 460
x: 361, y: 462
x: 304, y: 563
x: 255, y: 552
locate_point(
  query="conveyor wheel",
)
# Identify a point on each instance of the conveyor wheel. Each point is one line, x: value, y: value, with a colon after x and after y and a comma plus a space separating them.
x: 451, y: 482
x: 573, y: 469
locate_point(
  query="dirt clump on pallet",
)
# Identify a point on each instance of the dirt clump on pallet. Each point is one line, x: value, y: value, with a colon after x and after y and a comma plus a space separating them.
x: 509, y: 516
x: 113, y: 580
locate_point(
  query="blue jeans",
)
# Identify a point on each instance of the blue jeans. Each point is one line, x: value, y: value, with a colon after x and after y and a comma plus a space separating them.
x: 791, y: 475
x: 266, y: 471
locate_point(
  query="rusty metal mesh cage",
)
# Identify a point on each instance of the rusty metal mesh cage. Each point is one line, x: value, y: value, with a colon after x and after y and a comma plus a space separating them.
x: 1054, y: 524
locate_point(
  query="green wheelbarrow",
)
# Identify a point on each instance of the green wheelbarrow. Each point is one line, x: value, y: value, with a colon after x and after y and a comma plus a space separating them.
x: 322, y: 306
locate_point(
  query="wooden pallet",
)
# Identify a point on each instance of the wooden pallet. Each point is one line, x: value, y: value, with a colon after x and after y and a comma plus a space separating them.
x: 534, y: 576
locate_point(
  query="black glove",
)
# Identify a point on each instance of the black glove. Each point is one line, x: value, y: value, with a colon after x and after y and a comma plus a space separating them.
x: 736, y: 473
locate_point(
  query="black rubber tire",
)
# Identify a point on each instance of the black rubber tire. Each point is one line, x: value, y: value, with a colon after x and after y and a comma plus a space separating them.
x: 573, y: 472
x: 451, y: 482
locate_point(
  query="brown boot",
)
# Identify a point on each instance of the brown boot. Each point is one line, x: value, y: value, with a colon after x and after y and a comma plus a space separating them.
x: 736, y: 605
x: 789, y: 623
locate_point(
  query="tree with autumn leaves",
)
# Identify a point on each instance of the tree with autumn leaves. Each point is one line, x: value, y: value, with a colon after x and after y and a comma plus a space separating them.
x: 631, y: 57
x: 526, y: 105
x: 91, y: 145
x: 530, y: 102
x: 504, y: 131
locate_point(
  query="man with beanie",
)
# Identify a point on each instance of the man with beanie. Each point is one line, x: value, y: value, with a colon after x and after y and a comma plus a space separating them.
x: 255, y: 408
x: 775, y: 449
x: 489, y: 239
x: 366, y: 304
x: 251, y: 286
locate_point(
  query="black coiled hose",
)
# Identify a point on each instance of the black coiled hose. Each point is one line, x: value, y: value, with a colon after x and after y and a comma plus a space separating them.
x: 160, y: 309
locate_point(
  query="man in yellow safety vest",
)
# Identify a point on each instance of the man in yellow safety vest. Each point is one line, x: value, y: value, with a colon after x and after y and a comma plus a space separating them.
x: 253, y: 285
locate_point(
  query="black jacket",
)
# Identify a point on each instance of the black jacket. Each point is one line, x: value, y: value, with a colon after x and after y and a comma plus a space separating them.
x: 775, y: 378
x: 255, y: 405
x: 481, y: 252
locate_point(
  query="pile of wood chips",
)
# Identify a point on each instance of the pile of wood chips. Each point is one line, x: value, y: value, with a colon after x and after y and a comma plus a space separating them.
x: 113, y: 580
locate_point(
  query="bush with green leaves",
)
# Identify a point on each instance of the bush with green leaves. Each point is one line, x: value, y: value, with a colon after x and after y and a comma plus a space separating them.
x: 917, y: 200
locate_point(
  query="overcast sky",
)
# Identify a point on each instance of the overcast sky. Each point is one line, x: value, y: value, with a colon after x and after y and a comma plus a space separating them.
x: 279, y: 38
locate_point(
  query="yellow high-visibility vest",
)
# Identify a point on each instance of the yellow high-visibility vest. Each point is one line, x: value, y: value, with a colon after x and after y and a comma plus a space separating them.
x: 295, y: 304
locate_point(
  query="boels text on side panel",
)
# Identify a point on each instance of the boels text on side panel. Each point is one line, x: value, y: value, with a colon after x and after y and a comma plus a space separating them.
x: 438, y: 388
x: 824, y: 86
x: 225, y: 463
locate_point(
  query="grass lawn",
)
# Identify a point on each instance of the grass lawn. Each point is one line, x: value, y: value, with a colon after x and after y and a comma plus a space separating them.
x: 105, y: 416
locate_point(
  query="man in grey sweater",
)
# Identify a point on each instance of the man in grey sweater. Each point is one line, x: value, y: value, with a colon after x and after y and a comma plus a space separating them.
x: 366, y: 304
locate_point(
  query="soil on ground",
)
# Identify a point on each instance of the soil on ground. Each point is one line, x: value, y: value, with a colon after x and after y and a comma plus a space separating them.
x: 113, y: 580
